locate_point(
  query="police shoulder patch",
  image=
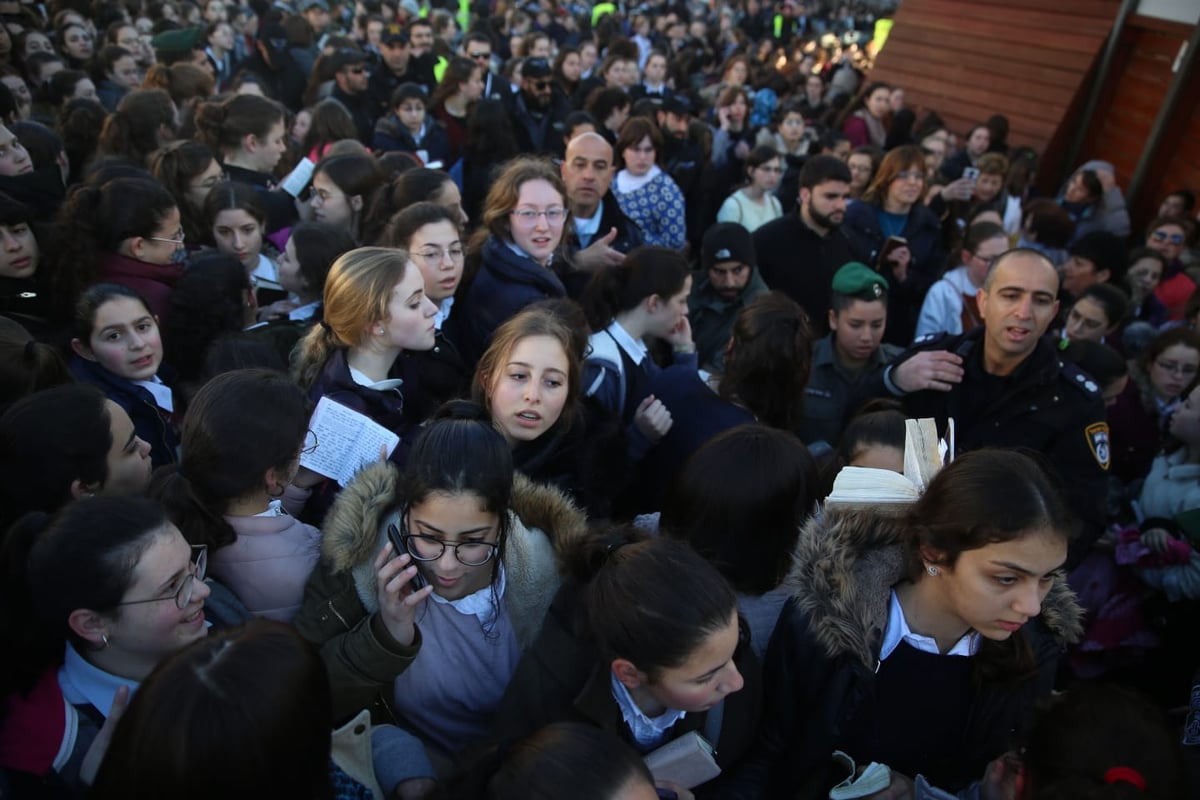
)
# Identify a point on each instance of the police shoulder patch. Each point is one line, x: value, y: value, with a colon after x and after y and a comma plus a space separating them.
x: 1097, y: 439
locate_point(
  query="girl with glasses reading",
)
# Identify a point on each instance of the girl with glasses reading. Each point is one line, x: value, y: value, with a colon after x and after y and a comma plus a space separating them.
x: 93, y: 599
x: 433, y: 583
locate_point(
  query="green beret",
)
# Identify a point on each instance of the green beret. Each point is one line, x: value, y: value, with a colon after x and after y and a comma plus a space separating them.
x: 178, y: 41
x: 858, y: 280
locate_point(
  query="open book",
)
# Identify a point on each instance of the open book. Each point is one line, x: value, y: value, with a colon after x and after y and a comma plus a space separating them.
x: 345, y: 441
x: 869, y: 487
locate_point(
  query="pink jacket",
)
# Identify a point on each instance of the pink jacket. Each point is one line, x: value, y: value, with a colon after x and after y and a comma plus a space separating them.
x: 269, y: 563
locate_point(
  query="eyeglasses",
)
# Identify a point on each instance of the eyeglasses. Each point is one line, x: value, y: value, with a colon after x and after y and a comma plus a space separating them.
x: 177, y: 241
x: 197, y: 569
x: 910, y: 175
x: 310, y: 444
x: 527, y: 216
x: 989, y: 260
x: 435, y: 254
x: 1163, y: 236
x: 766, y: 168
x: 541, y: 86
x: 357, y: 70
x: 431, y: 548
x: 481, y: 56
x: 210, y: 182
x: 323, y: 196
x: 1175, y: 368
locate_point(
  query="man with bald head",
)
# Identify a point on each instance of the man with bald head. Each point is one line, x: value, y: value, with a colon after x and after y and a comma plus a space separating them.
x: 1005, y: 386
x: 601, y: 234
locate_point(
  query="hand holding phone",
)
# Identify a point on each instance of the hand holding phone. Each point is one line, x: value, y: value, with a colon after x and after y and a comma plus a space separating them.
x: 396, y: 591
x: 971, y: 174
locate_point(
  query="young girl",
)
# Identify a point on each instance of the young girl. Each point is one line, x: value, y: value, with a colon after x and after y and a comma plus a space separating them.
x: 127, y: 232
x: 342, y: 191
x: 755, y: 204
x: 189, y: 171
x: 1098, y: 312
x: 236, y: 220
x: 455, y: 549
x: 644, y: 296
x: 248, y: 133
x: 460, y: 88
x: 648, y: 195
x: 410, y: 129
x: 117, y: 348
x: 304, y: 264
x: 64, y: 443
x: 960, y: 599
x: 96, y: 596
x: 227, y: 491
x: 950, y: 305
x: 645, y: 643
x: 375, y: 309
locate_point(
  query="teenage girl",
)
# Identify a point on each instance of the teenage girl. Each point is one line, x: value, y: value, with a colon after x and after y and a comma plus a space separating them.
x: 118, y: 348
x: 645, y: 296
x: 235, y: 218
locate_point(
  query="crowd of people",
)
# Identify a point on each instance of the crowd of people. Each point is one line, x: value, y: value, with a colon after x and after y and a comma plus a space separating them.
x: 631, y: 286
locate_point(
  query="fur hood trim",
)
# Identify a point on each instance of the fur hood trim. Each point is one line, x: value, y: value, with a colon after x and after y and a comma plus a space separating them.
x: 544, y: 525
x: 843, y: 569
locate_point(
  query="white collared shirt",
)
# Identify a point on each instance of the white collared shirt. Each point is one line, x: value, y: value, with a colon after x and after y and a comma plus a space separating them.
x: 647, y: 731
x: 587, y: 227
x: 380, y: 386
x: 443, y: 312
x: 478, y: 603
x: 305, y: 311
x: 635, y: 348
x: 81, y: 683
x: 163, y: 397
x: 898, y: 631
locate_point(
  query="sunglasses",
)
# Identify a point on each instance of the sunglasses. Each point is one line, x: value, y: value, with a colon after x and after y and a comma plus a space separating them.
x: 1163, y: 236
x: 357, y: 70
x: 542, y: 85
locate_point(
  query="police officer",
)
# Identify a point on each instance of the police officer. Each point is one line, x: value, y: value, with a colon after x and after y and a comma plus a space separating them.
x: 852, y: 351
x: 1005, y: 386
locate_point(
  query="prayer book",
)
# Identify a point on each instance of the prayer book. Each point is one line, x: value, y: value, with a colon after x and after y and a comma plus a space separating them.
x: 345, y: 441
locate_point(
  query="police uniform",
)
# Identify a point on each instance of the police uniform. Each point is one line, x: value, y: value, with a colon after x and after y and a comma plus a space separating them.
x: 830, y: 384
x: 1045, y: 405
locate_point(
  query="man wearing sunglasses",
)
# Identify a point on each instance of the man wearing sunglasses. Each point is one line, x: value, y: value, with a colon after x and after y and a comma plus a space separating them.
x: 478, y: 47
x: 538, y: 111
x: 350, y: 77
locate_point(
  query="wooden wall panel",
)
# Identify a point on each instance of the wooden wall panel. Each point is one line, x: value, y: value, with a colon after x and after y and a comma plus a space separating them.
x: 969, y: 59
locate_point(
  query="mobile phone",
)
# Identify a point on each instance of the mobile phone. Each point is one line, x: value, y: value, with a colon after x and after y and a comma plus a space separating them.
x: 892, y: 243
x: 971, y: 174
x: 393, y: 534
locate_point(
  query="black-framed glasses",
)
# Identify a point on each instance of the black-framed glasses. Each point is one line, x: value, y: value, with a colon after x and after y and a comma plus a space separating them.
x: 989, y: 260
x: 542, y: 86
x: 430, y: 548
x: 197, y: 569
x: 481, y: 56
x: 310, y: 444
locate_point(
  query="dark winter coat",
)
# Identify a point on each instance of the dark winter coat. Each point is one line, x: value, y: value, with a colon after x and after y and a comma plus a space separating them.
x: 152, y: 424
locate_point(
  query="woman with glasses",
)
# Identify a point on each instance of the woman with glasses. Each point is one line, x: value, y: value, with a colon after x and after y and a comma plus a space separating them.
x: 511, y: 258
x: 232, y: 490
x: 127, y: 232
x: 1138, y: 418
x: 892, y: 231
x: 646, y: 193
x: 755, y: 203
x: 189, y: 171
x: 431, y: 236
x: 432, y: 584
x: 93, y: 599
x: 950, y: 305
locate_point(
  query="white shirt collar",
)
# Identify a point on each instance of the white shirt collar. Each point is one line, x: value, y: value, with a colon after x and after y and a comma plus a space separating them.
x: 587, y: 227
x: 627, y: 183
x: 647, y: 731
x: 479, y: 603
x: 380, y: 386
x: 265, y: 273
x: 635, y: 348
x: 163, y: 398
x: 898, y: 631
x: 81, y: 682
x: 304, y: 312
x: 443, y: 312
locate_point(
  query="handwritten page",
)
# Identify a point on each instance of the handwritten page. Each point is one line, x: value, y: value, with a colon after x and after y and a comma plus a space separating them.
x: 346, y: 440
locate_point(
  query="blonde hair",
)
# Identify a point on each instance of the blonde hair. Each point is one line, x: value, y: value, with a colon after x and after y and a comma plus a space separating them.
x: 357, y: 293
x: 530, y: 322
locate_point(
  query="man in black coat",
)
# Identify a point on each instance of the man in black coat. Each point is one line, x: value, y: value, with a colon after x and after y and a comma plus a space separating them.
x: 1005, y: 386
x: 275, y: 68
x: 537, y: 111
x: 799, y: 254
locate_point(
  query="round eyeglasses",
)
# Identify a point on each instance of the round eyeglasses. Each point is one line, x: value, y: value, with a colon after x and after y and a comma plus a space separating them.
x: 197, y: 569
x: 430, y: 548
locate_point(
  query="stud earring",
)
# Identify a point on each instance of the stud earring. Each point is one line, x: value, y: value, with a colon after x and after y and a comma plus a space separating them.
x: 932, y: 570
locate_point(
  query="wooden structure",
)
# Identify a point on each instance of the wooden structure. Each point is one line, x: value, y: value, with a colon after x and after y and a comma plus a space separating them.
x: 1035, y: 62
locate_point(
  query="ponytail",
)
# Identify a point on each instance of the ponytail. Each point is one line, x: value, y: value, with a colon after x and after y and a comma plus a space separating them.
x: 646, y: 271
x: 313, y: 351
x: 651, y: 601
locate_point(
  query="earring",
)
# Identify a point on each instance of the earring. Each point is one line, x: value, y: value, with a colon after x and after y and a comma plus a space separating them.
x: 379, y: 331
x: 932, y: 570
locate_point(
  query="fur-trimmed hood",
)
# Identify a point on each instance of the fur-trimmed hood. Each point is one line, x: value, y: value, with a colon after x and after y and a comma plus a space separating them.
x: 844, y: 567
x: 545, y: 524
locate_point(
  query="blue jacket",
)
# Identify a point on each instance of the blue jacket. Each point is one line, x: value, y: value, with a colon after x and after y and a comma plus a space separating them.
x: 391, y: 136
x: 505, y: 284
x: 152, y: 424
